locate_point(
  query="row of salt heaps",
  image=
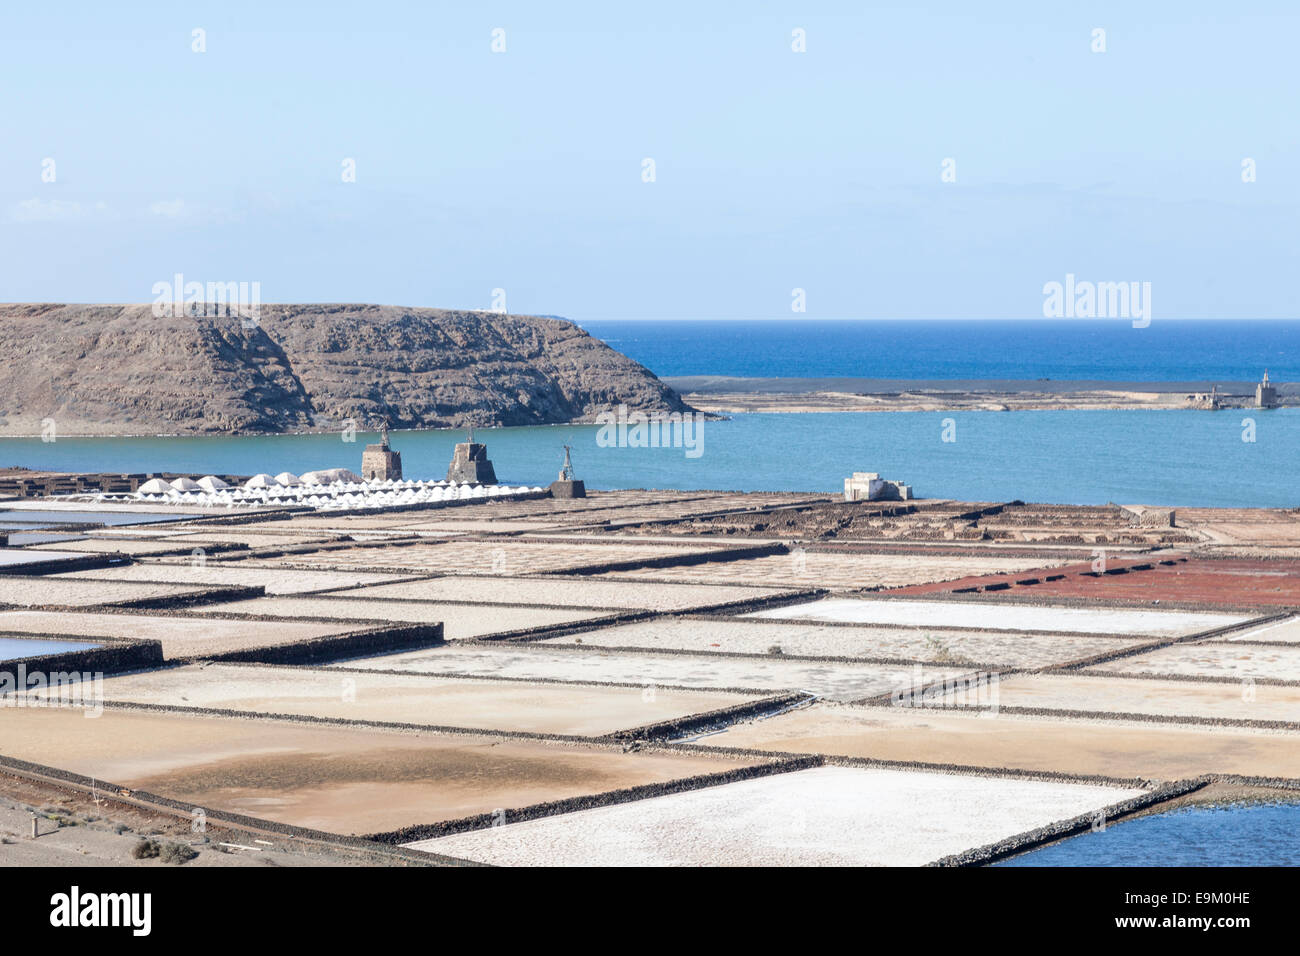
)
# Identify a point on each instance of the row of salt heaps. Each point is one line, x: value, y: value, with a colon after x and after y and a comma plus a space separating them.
x: 433, y: 491
x: 331, y: 489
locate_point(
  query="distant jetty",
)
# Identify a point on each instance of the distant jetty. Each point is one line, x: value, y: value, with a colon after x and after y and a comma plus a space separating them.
x: 728, y: 395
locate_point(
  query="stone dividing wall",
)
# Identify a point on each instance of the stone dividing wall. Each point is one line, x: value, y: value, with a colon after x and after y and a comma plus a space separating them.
x: 255, y: 516
x: 522, y: 635
x: 536, y: 811
x: 446, y: 730
x: 981, y: 856
x: 951, y: 550
x: 89, y: 562
x: 217, y: 594
x: 719, y: 611
x: 1031, y: 599
x: 330, y: 543
x: 369, y: 637
x: 339, y: 543
x: 211, y: 549
x: 730, y: 609
x: 713, y: 719
x: 692, y: 652
x: 540, y: 631
x: 879, y: 763
x: 1156, y: 643
x: 739, y: 513
x: 1157, y: 676
x: 434, y: 505
x: 117, y: 655
x: 385, y: 639
x: 678, y: 560
x: 555, y: 681
x: 929, y: 695
x: 1178, y: 720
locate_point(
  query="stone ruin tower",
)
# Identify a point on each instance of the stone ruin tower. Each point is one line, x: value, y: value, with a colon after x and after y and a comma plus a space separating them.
x: 381, y: 462
x: 1266, y: 393
x: 469, y: 463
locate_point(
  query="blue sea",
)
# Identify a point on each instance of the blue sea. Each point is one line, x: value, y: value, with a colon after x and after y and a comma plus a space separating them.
x: 1110, y: 350
x: 1238, y: 835
x: 1170, y: 457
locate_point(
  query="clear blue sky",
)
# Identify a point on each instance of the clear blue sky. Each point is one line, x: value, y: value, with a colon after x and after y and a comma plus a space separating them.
x: 774, y: 170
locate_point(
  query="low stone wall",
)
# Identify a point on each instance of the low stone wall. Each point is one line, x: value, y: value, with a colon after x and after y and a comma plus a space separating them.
x: 385, y: 639
x: 88, y: 562
x: 336, y: 543
x: 206, y: 550
x: 713, y: 719
x: 730, y: 609
x: 678, y: 560
x: 536, y: 811
x: 981, y: 856
x: 117, y: 655
x: 217, y: 594
x: 544, y: 631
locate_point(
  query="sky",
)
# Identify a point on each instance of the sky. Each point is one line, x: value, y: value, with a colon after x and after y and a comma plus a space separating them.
x: 130, y: 156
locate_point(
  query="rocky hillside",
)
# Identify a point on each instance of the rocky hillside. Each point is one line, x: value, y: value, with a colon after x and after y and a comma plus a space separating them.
x: 118, y: 370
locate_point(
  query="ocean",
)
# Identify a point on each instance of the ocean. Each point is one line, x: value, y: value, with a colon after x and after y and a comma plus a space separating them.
x: 1109, y: 350
x: 1159, y: 457
x: 1235, y: 835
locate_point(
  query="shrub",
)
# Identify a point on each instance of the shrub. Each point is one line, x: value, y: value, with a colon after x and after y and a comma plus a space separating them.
x: 177, y: 853
x: 145, y: 850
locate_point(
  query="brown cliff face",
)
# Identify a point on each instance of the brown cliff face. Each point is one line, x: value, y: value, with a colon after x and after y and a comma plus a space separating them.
x: 118, y: 370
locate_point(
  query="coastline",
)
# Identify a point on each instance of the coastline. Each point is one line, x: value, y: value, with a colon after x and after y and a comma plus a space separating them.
x: 718, y: 394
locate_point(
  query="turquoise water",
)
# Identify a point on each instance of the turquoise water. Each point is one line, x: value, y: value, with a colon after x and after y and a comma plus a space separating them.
x: 1174, y: 457
x: 13, y: 648
x: 1245, y: 835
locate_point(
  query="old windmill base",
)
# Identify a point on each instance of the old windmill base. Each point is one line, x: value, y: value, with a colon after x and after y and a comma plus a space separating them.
x: 379, y: 462
x: 470, y: 464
